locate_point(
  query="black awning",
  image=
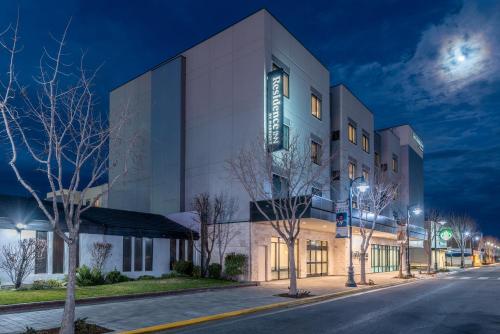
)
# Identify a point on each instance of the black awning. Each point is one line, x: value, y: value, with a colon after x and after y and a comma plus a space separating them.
x: 24, y: 213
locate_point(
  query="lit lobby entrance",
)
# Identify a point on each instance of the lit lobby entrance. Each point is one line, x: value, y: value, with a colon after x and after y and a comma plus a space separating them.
x: 279, y: 259
x: 317, y: 258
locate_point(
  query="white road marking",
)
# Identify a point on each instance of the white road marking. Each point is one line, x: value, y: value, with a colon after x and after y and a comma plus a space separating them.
x: 483, y: 277
x: 466, y: 277
x: 449, y: 277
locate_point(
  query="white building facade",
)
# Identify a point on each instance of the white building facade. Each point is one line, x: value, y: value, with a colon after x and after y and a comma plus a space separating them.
x: 195, y: 111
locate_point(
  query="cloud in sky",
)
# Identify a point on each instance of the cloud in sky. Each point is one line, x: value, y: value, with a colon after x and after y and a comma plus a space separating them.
x: 459, y: 53
x: 448, y: 89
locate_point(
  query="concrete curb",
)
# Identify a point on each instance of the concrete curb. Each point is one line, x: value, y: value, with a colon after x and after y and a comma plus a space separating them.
x: 17, y: 308
x: 285, y: 304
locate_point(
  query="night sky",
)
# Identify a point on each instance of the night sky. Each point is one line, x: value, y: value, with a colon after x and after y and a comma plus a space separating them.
x: 433, y: 64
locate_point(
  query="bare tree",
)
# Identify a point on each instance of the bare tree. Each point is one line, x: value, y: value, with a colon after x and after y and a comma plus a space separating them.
x: 431, y: 221
x: 213, y: 214
x: 282, y: 181
x: 225, y: 230
x: 490, y: 246
x: 19, y: 259
x: 462, y: 227
x: 59, y: 128
x: 100, y: 252
x: 372, y: 202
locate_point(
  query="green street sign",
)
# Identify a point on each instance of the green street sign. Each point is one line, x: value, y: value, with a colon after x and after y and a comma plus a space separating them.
x: 445, y: 233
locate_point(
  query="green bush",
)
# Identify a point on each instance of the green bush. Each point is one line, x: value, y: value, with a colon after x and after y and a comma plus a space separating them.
x: 196, y: 272
x: 235, y: 265
x: 184, y: 267
x: 84, y: 327
x: 29, y: 330
x: 116, y: 276
x: 214, y: 270
x: 46, y: 284
x: 145, y: 278
x: 88, y: 277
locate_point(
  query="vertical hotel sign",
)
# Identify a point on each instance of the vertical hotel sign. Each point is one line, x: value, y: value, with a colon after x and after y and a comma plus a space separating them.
x: 274, y: 114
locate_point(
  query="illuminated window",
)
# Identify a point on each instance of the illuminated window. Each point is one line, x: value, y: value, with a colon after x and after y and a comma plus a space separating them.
x: 395, y: 166
x: 315, y: 152
x: 351, y: 133
x: 315, y: 106
x: 286, y: 81
x: 351, y: 170
x: 366, y: 143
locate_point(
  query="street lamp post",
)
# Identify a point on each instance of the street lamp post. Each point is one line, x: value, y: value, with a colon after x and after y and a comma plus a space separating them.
x: 361, y: 187
x: 416, y: 210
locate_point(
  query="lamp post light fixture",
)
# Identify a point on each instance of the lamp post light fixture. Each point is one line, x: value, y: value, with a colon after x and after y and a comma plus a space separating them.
x: 362, y: 187
x: 441, y: 222
x: 416, y: 210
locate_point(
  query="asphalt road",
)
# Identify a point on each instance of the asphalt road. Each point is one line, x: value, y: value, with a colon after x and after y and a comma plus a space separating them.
x: 464, y: 302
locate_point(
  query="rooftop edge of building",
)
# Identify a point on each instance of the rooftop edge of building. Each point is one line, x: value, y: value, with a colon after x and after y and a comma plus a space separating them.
x: 180, y: 54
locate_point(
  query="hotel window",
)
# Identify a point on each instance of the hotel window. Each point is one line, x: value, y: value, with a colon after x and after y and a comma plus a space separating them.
x: 286, y: 81
x: 395, y: 166
x: 315, y: 152
x: 286, y: 137
x: 57, y: 254
x: 127, y: 254
x: 41, y: 257
x: 377, y: 159
x: 279, y: 186
x: 138, y: 254
x: 148, y: 260
x: 315, y: 106
x: 366, y: 143
x: 316, y: 192
x: 366, y: 175
x: 351, y: 133
x: 351, y: 168
x: 173, y: 252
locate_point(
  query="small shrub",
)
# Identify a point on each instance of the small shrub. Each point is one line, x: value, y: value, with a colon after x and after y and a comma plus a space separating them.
x: 196, y: 272
x: 184, y: 267
x: 214, y: 270
x: 46, y: 284
x: 116, y: 276
x: 84, y: 327
x: 88, y: 277
x: 146, y: 278
x: 235, y: 265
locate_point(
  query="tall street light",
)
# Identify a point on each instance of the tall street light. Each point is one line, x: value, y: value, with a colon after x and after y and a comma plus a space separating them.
x: 362, y: 187
x: 416, y: 210
x: 441, y: 222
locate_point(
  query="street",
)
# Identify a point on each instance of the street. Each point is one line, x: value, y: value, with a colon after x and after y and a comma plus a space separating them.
x: 462, y: 302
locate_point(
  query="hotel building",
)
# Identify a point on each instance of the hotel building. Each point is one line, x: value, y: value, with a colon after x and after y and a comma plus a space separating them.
x: 193, y: 112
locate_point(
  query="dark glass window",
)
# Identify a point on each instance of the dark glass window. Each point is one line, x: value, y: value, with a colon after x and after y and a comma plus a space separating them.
x: 41, y: 258
x: 182, y: 249
x: 173, y: 252
x: 190, y: 250
x: 148, y: 260
x: 127, y: 254
x: 286, y: 137
x: 315, y: 152
x: 57, y: 254
x: 316, y: 192
x: 138, y: 254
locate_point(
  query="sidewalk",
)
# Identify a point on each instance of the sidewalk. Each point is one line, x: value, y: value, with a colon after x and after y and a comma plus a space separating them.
x: 128, y: 315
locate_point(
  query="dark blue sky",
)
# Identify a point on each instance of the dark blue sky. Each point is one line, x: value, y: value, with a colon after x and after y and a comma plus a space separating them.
x: 433, y: 64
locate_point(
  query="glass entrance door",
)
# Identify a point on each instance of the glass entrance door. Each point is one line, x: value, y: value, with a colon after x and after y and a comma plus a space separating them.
x: 279, y: 259
x: 317, y: 258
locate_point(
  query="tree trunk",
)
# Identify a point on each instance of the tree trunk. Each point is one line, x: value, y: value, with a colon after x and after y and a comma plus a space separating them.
x: 68, y: 320
x: 362, y: 270
x: 293, y: 271
x: 462, y: 262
